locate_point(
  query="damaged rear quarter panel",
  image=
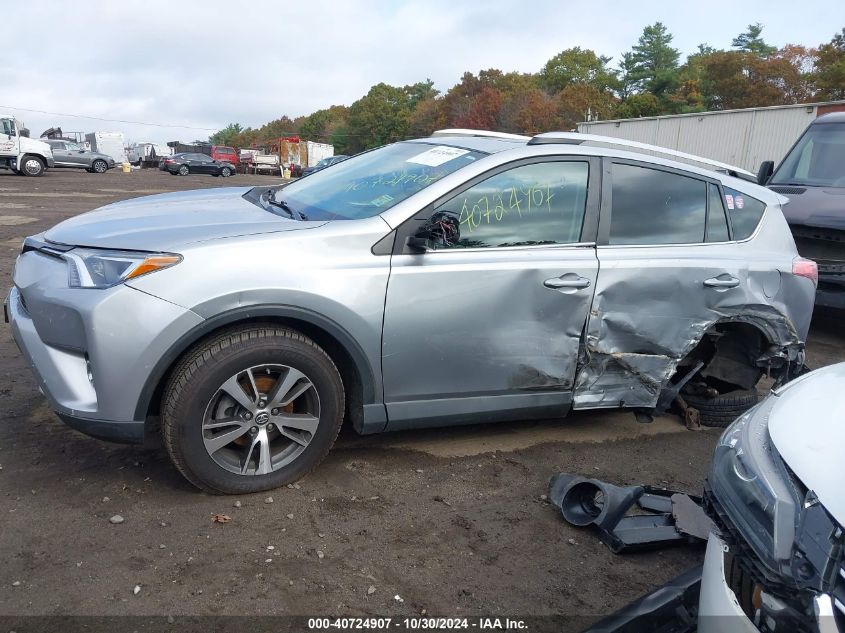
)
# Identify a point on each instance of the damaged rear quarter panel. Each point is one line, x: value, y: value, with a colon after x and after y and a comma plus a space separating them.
x: 651, y: 308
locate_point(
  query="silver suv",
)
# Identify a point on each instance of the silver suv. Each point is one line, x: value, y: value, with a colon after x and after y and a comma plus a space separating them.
x: 467, y: 277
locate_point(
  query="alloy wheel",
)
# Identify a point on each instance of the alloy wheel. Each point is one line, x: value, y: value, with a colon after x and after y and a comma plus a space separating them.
x: 261, y: 419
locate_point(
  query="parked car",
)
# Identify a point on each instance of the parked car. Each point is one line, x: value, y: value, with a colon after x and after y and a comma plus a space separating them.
x: 467, y: 277
x: 322, y: 164
x: 70, y: 154
x: 225, y: 154
x: 184, y: 164
x: 775, y: 489
x: 812, y: 176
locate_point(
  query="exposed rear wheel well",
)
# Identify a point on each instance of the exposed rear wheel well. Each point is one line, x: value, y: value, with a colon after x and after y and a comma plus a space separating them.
x: 353, y: 384
x: 730, y: 352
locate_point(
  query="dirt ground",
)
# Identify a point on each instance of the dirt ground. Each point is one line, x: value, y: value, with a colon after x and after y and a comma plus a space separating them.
x: 449, y: 522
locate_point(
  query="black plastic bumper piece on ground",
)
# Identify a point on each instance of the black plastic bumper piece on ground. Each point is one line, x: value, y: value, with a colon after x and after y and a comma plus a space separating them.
x: 666, y: 517
x: 119, y: 432
x: 672, y: 608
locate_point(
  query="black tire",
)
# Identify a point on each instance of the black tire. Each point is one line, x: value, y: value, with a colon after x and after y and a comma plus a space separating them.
x: 225, y: 172
x: 99, y: 166
x: 184, y: 170
x: 199, y: 374
x: 32, y: 166
x: 722, y: 410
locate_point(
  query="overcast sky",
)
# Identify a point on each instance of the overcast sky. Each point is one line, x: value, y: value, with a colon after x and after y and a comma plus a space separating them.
x: 203, y: 64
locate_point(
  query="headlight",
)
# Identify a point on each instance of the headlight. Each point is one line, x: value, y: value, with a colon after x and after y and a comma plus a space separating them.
x: 750, y: 482
x: 94, y: 268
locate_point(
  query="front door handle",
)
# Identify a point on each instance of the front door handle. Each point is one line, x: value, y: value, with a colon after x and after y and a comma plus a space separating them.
x: 722, y: 281
x: 567, y: 281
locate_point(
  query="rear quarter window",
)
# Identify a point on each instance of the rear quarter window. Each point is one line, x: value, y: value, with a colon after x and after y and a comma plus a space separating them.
x: 745, y: 212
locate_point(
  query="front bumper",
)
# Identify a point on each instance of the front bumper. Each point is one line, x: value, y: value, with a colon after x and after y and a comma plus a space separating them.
x: 91, y: 350
x: 718, y: 608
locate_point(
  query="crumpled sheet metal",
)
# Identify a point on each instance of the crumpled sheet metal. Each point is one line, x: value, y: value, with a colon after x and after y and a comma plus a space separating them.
x: 637, y: 335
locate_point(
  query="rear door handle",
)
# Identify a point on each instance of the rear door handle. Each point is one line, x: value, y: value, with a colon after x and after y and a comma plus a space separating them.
x: 722, y: 281
x: 567, y: 281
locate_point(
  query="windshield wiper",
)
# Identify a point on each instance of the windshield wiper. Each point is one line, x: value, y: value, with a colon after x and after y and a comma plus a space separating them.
x: 293, y: 214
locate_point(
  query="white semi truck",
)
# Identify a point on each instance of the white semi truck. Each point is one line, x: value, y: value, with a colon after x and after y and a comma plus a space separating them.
x: 20, y: 153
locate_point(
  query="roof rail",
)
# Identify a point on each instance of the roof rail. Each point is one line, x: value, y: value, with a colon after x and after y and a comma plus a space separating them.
x: 483, y: 133
x: 575, y: 138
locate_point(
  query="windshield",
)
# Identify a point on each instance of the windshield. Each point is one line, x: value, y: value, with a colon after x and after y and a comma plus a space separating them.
x: 370, y: 183
x: 817, y: 160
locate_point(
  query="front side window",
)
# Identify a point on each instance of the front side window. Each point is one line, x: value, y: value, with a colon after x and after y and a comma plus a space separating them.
x: 371, y: 183
x: 817, y: 160
x: 656, y: 207
x: 8, y: 127
x: 745, y: 212
x: 528, y: 205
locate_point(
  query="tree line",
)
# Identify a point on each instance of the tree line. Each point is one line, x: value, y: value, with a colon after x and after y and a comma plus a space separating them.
x: 576, y: 85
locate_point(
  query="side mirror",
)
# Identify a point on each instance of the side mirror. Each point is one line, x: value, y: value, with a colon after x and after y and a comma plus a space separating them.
x: 767, y: 168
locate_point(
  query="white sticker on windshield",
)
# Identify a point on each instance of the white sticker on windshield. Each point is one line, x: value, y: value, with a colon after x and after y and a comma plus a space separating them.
x: 437, y: 155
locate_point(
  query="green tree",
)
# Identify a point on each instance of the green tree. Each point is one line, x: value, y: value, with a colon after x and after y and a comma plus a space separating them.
x: 829, y: 69
x: 419, y: 92
x: 380, y: 117
x: 226, y: 135
x: 577, y: 66
x: 639, y: 105
x: 751, y: 42
x: 626, y: 75
x: 320, y: 125
x: 655, y: 62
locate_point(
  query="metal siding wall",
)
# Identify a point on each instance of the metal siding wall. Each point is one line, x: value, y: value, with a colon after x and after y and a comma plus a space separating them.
x: 774, y: 132
x: 741, y: 138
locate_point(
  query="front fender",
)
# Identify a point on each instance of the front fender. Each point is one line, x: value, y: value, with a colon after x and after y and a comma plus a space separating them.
x: 370, y: 380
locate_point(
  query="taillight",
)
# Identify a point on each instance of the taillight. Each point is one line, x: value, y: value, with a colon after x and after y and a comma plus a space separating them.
x: 169, y: 160
x: 806, y: 268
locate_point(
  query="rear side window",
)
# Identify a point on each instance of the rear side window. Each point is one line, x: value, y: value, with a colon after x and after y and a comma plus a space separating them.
x: 717, y: 225
x: 656, y: 207
x: 528, y: 205
x: 745, y: 212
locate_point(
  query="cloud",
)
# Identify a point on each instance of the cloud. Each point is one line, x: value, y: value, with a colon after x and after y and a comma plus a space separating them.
x: 205, y: 64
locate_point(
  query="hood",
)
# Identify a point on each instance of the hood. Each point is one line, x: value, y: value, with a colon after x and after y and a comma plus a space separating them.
x: 807, y: 427
x: 168, y: 221
x: 38, y: 147
x: 822, y: 207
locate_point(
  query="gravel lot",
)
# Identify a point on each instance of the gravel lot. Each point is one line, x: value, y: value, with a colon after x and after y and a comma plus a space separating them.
x: 452, y: 521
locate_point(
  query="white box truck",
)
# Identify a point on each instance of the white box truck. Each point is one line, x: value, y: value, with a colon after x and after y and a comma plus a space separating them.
x: 109, y: 143
x: 20, y: 153
x: 147, y: 153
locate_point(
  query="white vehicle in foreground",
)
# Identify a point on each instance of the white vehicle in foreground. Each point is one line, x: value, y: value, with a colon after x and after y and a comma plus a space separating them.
x: 777, y: 491
x: 20, y: 153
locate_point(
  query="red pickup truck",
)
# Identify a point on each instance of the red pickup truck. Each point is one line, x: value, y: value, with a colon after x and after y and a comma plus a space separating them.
x: 223, y: 153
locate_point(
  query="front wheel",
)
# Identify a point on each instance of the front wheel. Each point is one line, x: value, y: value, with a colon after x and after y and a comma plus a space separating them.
x: 99, y: 167
x: 184, y: 171
x: 225, y: 172
x: 32, y: 166
x: 254, y: 408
